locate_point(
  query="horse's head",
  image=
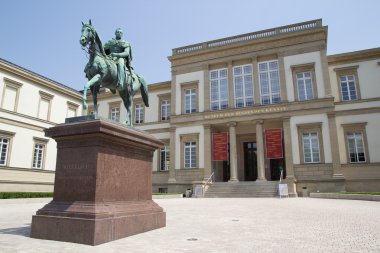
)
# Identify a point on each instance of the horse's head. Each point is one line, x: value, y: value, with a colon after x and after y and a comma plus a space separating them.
x: 88, y: 33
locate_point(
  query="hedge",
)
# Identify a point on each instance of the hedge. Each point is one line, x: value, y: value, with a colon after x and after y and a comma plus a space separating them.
x: 16, y: 195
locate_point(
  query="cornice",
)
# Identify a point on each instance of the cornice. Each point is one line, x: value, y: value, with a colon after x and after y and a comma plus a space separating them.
x: 39, y: 79
x: 355, y: 56
x: 307, y: 35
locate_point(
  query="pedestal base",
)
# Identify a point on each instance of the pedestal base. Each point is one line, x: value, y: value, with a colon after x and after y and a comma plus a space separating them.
x: 93, y: 224
x: 103, y: 184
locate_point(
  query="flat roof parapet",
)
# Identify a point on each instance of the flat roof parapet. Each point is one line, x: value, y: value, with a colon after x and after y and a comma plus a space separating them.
x: 249, y: 36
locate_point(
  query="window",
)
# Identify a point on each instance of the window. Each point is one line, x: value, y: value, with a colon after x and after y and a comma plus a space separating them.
x: 356, y: 142
x: 304, y: 86
x: 269, y: 82
x: 349, y: 83
x: 310, y: 143
x: 115, y: 114
x: 190, y: 100
x: 114, y: 111
x: 139, y: 113
x: 71, y: 109
x: 356, y: 147
x: 4, y: 147
x: 10, y: 95
x: 348, y: 88
x: 219, y: 89
x: 243, y: 84
x: 44, y: 106
x: 189, y: 151
x: 190, y: 155
x: 39, y: 152
x: 165, y: 109
x: 311, y: 148
x: 165, y: 158
x: 304, y: 82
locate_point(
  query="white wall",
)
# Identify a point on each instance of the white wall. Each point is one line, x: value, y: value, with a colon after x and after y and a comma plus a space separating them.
x: 369, y: 79
x: 190, y: 77
x: 372, y: 130
x: 313, y: 57
x: 29, y: 98
x: 189, y: 130
x: 296, y: 120
x: 153, y: 112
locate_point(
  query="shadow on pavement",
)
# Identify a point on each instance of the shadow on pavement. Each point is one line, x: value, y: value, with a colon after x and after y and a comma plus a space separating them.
x: 23, y: 231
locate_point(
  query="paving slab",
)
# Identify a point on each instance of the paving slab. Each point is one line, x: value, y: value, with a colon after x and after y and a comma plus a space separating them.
x: 222, y: 225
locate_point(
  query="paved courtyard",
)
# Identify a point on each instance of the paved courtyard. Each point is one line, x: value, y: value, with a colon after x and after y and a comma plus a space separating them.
x: 223, y: 225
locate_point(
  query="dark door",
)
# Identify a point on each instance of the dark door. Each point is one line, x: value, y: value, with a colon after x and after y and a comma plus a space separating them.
x: 275, y: 169
x: 226, y: 166
x: 250, y: 161
x: 226, y: 171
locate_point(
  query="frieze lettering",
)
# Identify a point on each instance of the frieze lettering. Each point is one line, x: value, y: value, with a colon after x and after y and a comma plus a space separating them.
x: 246, y: 112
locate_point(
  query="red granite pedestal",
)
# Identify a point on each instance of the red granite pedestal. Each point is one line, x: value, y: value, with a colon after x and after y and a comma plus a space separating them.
x: 103, y: 184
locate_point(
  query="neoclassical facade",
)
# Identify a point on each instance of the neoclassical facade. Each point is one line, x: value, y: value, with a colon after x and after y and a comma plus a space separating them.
x: 30, y: 103
x: 322, y: 113
x: 327, y: 107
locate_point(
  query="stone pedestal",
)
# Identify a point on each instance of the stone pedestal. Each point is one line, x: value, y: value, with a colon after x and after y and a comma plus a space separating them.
x: 103, y: 184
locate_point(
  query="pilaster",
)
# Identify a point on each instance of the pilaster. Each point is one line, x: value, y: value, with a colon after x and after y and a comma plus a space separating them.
x: 337, y: 168
x: 207, y: 156
x: 281, y: 72
x: 256, y: 84
x: 172, y: 178
x: 231, y: 102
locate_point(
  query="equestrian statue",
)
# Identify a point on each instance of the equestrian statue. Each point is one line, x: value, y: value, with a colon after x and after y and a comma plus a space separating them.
x: 110, y: 67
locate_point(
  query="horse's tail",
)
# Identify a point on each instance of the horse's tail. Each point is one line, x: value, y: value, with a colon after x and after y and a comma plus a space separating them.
x: 144, y: 90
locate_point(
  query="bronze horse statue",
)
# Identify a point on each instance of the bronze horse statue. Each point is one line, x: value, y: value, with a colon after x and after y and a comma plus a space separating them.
x: 101, y: 71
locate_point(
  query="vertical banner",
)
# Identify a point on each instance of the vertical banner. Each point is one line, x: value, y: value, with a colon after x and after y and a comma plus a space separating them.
x: 273, y: 143
x: 220, y: 146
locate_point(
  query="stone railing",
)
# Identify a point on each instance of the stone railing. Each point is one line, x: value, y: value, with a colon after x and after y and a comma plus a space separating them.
x: 249, y: 36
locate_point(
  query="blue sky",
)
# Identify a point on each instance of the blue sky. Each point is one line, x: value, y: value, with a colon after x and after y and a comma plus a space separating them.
x: 43, y: 35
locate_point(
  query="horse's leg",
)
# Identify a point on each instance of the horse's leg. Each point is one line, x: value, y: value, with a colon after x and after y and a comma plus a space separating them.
x: 124, y: 97
x: 129, y: 98
x: 95, y: 100
x: 91, y: 82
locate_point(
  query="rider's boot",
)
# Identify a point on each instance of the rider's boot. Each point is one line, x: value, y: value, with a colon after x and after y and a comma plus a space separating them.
x: 120, y: 76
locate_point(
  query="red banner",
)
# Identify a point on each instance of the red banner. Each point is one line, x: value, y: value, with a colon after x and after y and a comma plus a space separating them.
x: 220, y: 146
x: 273, y: 143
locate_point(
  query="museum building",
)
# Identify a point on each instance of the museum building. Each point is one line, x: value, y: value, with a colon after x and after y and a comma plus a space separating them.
x: 323, y: 112
x: 30, y: 103
x: 237, y: 110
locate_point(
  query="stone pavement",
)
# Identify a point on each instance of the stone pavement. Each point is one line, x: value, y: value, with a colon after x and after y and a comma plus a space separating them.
x: 223, y: 225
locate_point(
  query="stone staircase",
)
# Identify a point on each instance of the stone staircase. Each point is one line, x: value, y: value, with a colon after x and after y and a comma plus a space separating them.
x: 257, y: 189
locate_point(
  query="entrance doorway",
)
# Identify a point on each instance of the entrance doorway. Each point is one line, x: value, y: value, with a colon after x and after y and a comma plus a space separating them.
x: 275, y: 169
x: 250, y: 161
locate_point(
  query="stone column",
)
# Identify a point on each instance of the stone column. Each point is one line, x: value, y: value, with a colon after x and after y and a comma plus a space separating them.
x: 231, y: 99
x: 260, y: 150
x: 233, y: 152
x: 207, y: 155
x: 290, y: 179
x: 337, y: 169
x: 172, y: 156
